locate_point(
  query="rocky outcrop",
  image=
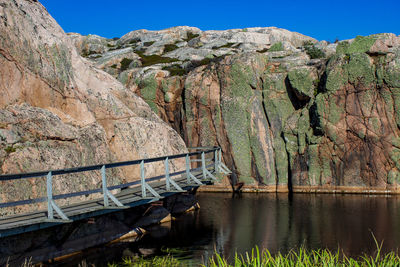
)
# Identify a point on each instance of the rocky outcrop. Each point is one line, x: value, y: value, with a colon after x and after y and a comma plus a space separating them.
x: 289, y: 112
x: 57, y: 110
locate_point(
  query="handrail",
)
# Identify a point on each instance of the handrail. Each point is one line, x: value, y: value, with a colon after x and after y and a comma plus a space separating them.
x: 218, y: 166
x: 7, y: 177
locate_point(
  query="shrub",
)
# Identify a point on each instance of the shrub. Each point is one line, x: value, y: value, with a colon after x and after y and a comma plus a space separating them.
x: 313, y: 51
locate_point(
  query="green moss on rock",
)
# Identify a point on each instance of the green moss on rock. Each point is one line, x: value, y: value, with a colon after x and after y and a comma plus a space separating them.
x: 392, y: 76
x: 301, y: 81
x: 361, y: 44
x: 148, y: 90
x: 276, y: 47
x: 337, y: 77
x: 154, y: 59
x: 360, y: 69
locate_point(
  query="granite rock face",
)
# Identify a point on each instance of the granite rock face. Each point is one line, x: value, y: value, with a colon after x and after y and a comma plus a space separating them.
x: 289, y: 112
x: 57, y: 110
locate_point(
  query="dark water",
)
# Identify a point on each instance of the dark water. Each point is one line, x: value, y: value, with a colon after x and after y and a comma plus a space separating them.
x: 273, y: 221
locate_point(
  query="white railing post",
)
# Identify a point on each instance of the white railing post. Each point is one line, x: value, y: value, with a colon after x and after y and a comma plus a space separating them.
x: 203, y: 165
x: 166, y: 163
x: 142, y: 179
x: 216, y: 160
x: 104, y: 184
x: 51, y: 205
x: 220, y: 156
x: 49, y: 185
x: 188, y: 168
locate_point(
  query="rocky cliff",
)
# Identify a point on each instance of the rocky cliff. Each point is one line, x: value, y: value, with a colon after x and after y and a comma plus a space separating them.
x: 289, y: 112
x: 57, y: 110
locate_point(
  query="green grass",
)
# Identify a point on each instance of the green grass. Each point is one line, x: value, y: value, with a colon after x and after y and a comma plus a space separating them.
x: 158, y: 261
x: 295, y: 257
x: 304, y: 257
x: 301, y: 257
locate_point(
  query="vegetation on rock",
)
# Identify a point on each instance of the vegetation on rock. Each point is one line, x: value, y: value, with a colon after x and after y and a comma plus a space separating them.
x: 313, y: 51
x: 276, y: 47
x: 154, y: 59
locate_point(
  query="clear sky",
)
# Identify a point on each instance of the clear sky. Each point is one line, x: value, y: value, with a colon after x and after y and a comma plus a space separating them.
x: 323, y: 20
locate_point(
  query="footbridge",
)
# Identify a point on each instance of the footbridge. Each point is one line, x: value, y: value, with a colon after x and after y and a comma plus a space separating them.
x: 202, y: 167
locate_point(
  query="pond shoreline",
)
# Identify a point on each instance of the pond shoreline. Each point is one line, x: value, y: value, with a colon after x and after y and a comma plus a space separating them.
x: 302, y: 189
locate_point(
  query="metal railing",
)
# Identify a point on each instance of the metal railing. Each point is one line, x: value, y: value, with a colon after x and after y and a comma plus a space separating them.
x: 52, y: 207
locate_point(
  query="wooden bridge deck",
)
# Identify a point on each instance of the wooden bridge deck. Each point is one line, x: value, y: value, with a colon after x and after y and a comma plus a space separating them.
x: 130, y: 197
x: 131, y: 194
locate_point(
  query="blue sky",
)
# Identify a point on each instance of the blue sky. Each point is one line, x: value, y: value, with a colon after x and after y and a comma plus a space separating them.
x: 323, y: 20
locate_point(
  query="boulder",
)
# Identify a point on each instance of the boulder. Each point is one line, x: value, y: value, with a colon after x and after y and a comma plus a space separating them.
x: 58, y: 110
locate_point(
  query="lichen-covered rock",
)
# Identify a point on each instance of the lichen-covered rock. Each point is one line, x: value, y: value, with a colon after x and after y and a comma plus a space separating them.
x: 288, y: 111
x: 57, y: 110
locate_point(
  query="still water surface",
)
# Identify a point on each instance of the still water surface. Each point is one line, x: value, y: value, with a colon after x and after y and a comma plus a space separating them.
x: 229, y: 224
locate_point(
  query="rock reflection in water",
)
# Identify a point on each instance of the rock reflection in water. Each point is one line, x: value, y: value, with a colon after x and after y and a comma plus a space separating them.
x: 274, y: 222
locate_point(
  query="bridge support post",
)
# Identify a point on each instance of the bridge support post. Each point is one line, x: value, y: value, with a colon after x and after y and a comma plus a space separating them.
x: 144, y: 185
x: 166, y: 163
x: 168, y: 179
x: 142, y: 179
x: 221, y: 166
x: 107, y: 194
x: 204, y: 169
x: 51, y: 205
x: 216, y: 163
x: 203, y: 165
x: 189, y: 175
x: 104, y: 185
x: 49, y: 186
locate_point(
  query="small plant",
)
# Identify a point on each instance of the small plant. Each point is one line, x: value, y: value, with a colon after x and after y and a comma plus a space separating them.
x: 312, y: 51
x: 245, y: 30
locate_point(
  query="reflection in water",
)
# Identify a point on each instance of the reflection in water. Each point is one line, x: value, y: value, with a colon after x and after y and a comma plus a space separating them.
x: 317, y: 221
x: 228, y: 225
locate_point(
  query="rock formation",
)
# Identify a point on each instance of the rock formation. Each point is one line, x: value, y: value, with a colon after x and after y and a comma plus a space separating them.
x: 57, y: 110
x: 289, y: 112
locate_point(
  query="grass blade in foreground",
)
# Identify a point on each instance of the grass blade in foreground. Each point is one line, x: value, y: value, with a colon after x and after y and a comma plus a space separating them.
x: 303, y: 257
